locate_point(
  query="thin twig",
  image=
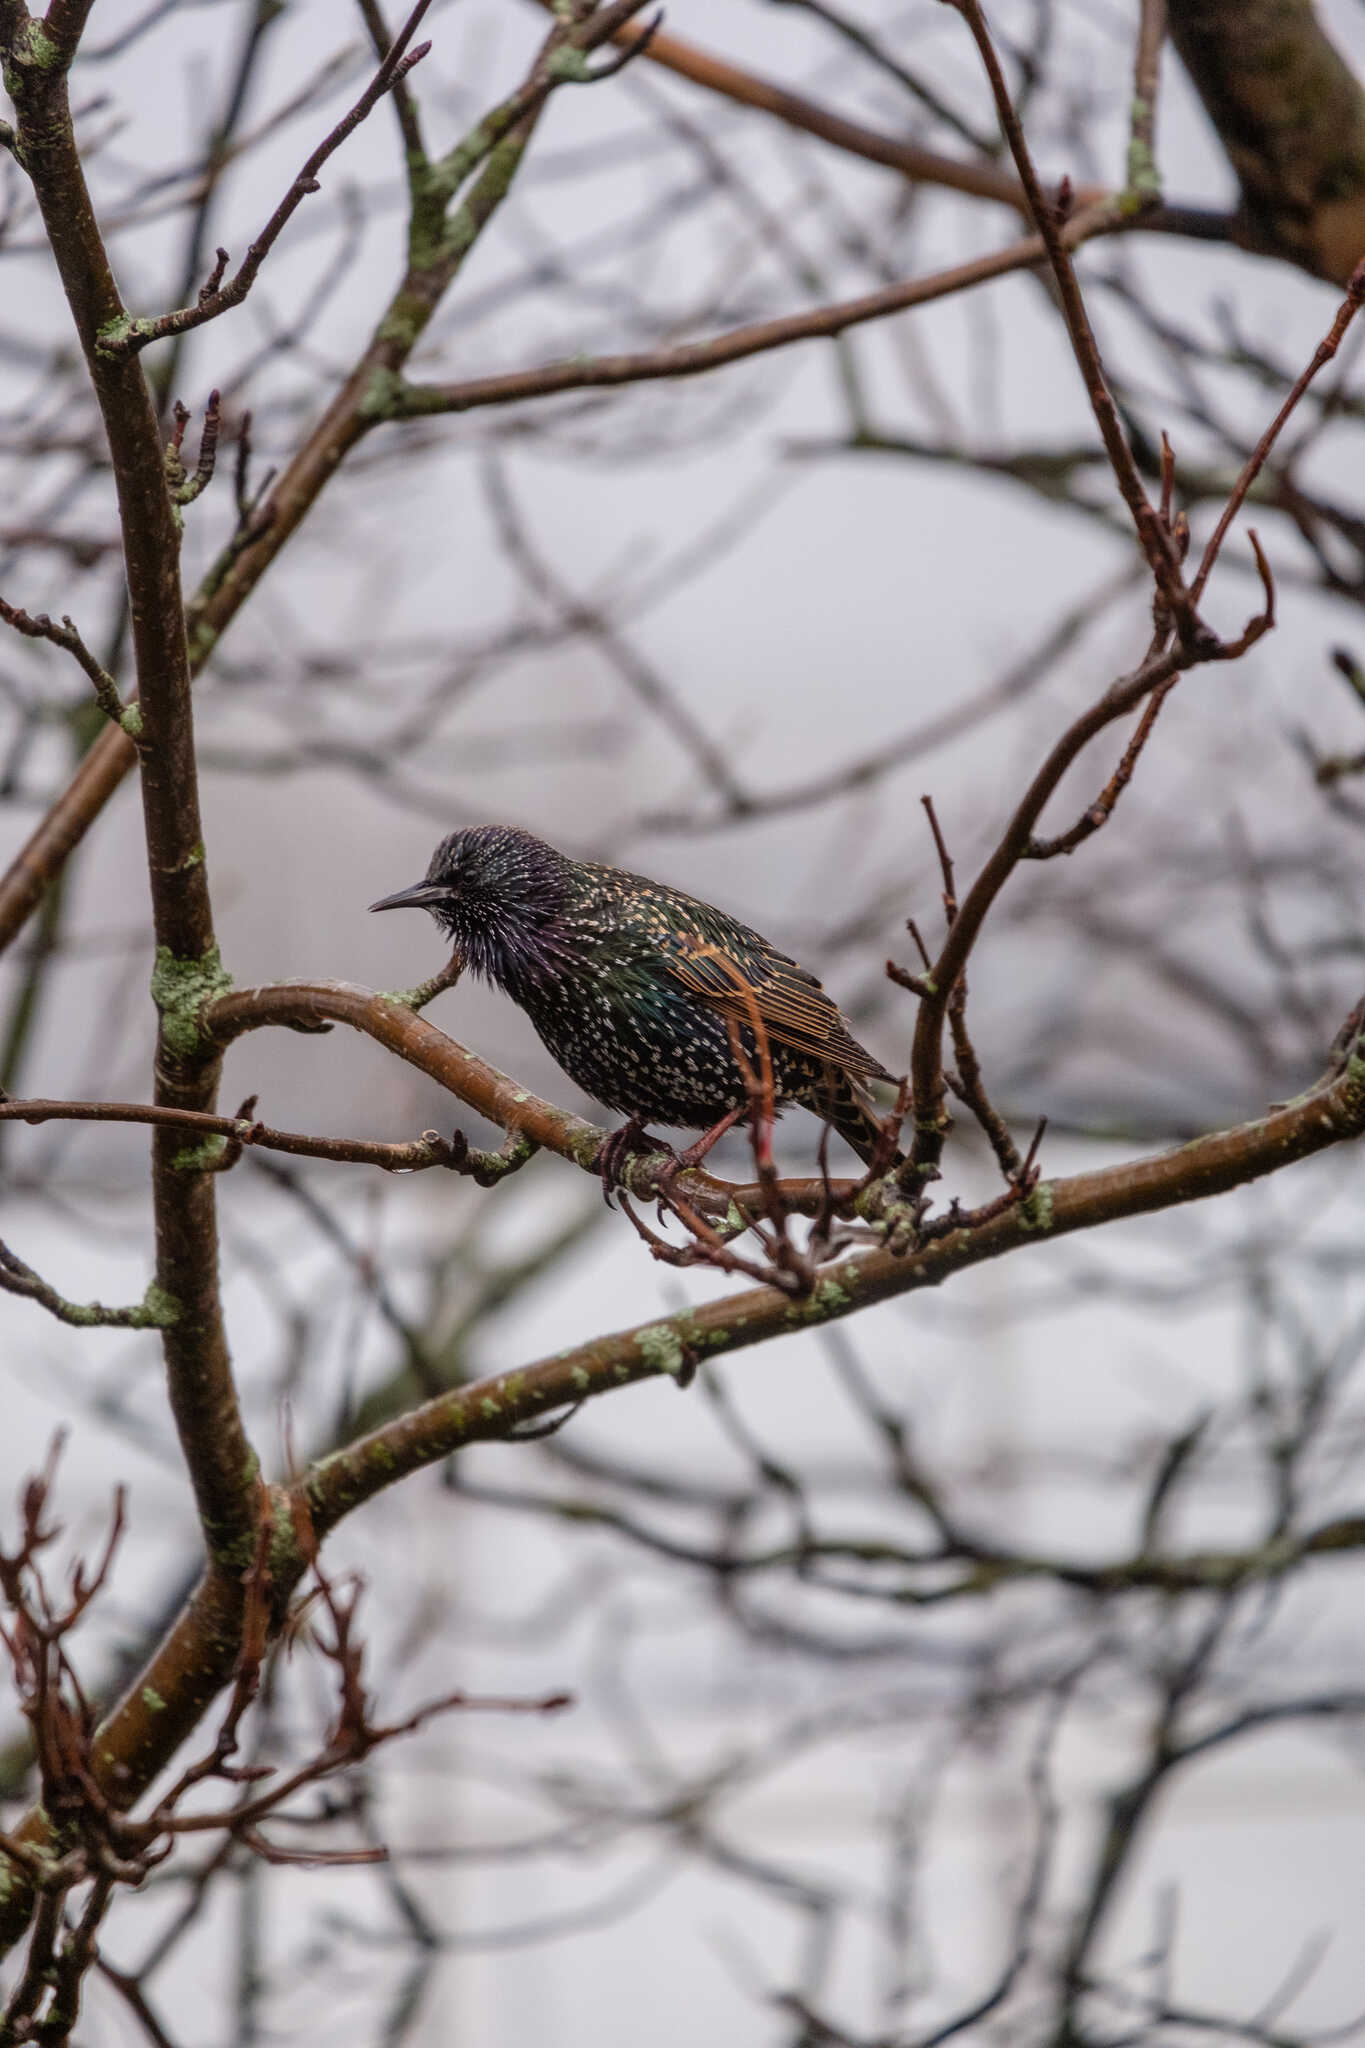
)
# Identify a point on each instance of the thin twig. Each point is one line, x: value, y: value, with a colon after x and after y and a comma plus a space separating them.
x: 1155, y: 541
x: 246, y: 1130
x: 40, y: 627
x: 216, y: 297
x: 1255, y: 462
x: 17, y: 1278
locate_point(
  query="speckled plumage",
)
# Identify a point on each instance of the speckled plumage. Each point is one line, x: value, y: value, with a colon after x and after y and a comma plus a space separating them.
x: 630, y: 984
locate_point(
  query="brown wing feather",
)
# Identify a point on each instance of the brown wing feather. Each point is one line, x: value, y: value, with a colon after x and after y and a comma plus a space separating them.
x: 794, y: 1008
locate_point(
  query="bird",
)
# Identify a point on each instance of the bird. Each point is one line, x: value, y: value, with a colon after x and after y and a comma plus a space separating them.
x: 636, y: 988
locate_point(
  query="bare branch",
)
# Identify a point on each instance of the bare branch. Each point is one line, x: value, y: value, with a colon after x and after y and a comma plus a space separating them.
x: 692, y: 358
x: 1155, y: 541
x: 16, y: 1278
x: 127, y: 336
x: 1251, y: 469
x: 41, y: 627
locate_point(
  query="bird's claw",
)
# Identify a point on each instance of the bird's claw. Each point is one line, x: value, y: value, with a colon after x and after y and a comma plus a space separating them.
x: 620, y: 1148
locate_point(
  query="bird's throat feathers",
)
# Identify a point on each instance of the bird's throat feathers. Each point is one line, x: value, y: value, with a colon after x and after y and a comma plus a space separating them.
x: 500, y: 943
x: 505, y: 893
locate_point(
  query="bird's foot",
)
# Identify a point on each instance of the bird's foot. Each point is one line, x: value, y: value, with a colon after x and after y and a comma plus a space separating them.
x: 621, y: 1147
x: 634, y: 1140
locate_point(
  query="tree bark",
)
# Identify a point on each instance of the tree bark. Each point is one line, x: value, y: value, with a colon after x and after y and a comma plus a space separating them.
x: 1290, y: 115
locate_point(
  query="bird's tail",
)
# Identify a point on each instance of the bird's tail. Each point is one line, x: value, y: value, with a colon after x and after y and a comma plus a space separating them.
x: 853, y: 1115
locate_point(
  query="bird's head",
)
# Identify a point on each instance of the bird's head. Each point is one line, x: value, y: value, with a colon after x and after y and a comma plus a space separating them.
x: 496, y: 891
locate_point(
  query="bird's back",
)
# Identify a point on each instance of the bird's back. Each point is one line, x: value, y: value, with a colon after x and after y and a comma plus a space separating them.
x: 645, y: 983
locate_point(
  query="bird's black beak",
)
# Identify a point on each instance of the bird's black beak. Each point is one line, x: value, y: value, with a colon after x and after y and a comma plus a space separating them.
x: 421, y: 896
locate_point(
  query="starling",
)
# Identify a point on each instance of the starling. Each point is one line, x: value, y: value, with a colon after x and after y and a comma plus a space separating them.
x: 634, y: 987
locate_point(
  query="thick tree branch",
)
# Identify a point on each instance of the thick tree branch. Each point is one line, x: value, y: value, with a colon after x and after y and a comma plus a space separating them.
x: 203, y: 1397
x: 1291, y: 116
x: 1330, y: 1114
x: 390, y: 1022
x: 64, y: 25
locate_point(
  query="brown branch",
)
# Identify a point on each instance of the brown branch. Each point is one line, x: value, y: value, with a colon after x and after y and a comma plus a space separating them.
x: 404, y: 105
x: 40, y: 627
x: 1255, y: 462
x: 1330, y: 1114
x: 926, y: 1064
x: 203, y: 1397
x: 1155, y: 541
x: 532, y: 1123
x: 970, y: 1084
x: 1290, y: 114
x: 184, y: 487
x: 1157, y: 671
x: 247, y: 1131
x: 215, y: 298
x: 983, y: 180
x: 1100, y: 812
x: 390, y: 1021
x: 692, y: 358
x: 64, y: 25
x: 17, y: 1278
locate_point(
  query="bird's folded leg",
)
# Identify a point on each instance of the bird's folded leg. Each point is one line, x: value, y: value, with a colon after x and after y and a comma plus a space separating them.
x: 699, y: 1147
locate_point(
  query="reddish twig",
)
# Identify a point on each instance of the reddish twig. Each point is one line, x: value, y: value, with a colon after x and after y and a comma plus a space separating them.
x: 1102, y: 809
x: 185, y: 488
x: 969, y: 1083
x: 38, y: 626
x: 1155, y: 541
x: 1255, y: 462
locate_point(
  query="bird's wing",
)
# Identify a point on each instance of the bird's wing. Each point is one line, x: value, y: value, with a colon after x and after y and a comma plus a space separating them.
x: 793, y: 1008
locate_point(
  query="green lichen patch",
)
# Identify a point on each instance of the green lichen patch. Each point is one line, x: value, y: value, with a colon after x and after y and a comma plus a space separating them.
x: 568, y: 65
x: 112, y: 338
x: 181, y: 989
x: 1144, y: 181
x: 162, y: 1309
x: 662, y: 1350
x: 831, y: 1298
x: 1036, y: 1210
x: 382, y: 398
x: 203, y: 640
x: 35, y: 49
x: 201, y: 1158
